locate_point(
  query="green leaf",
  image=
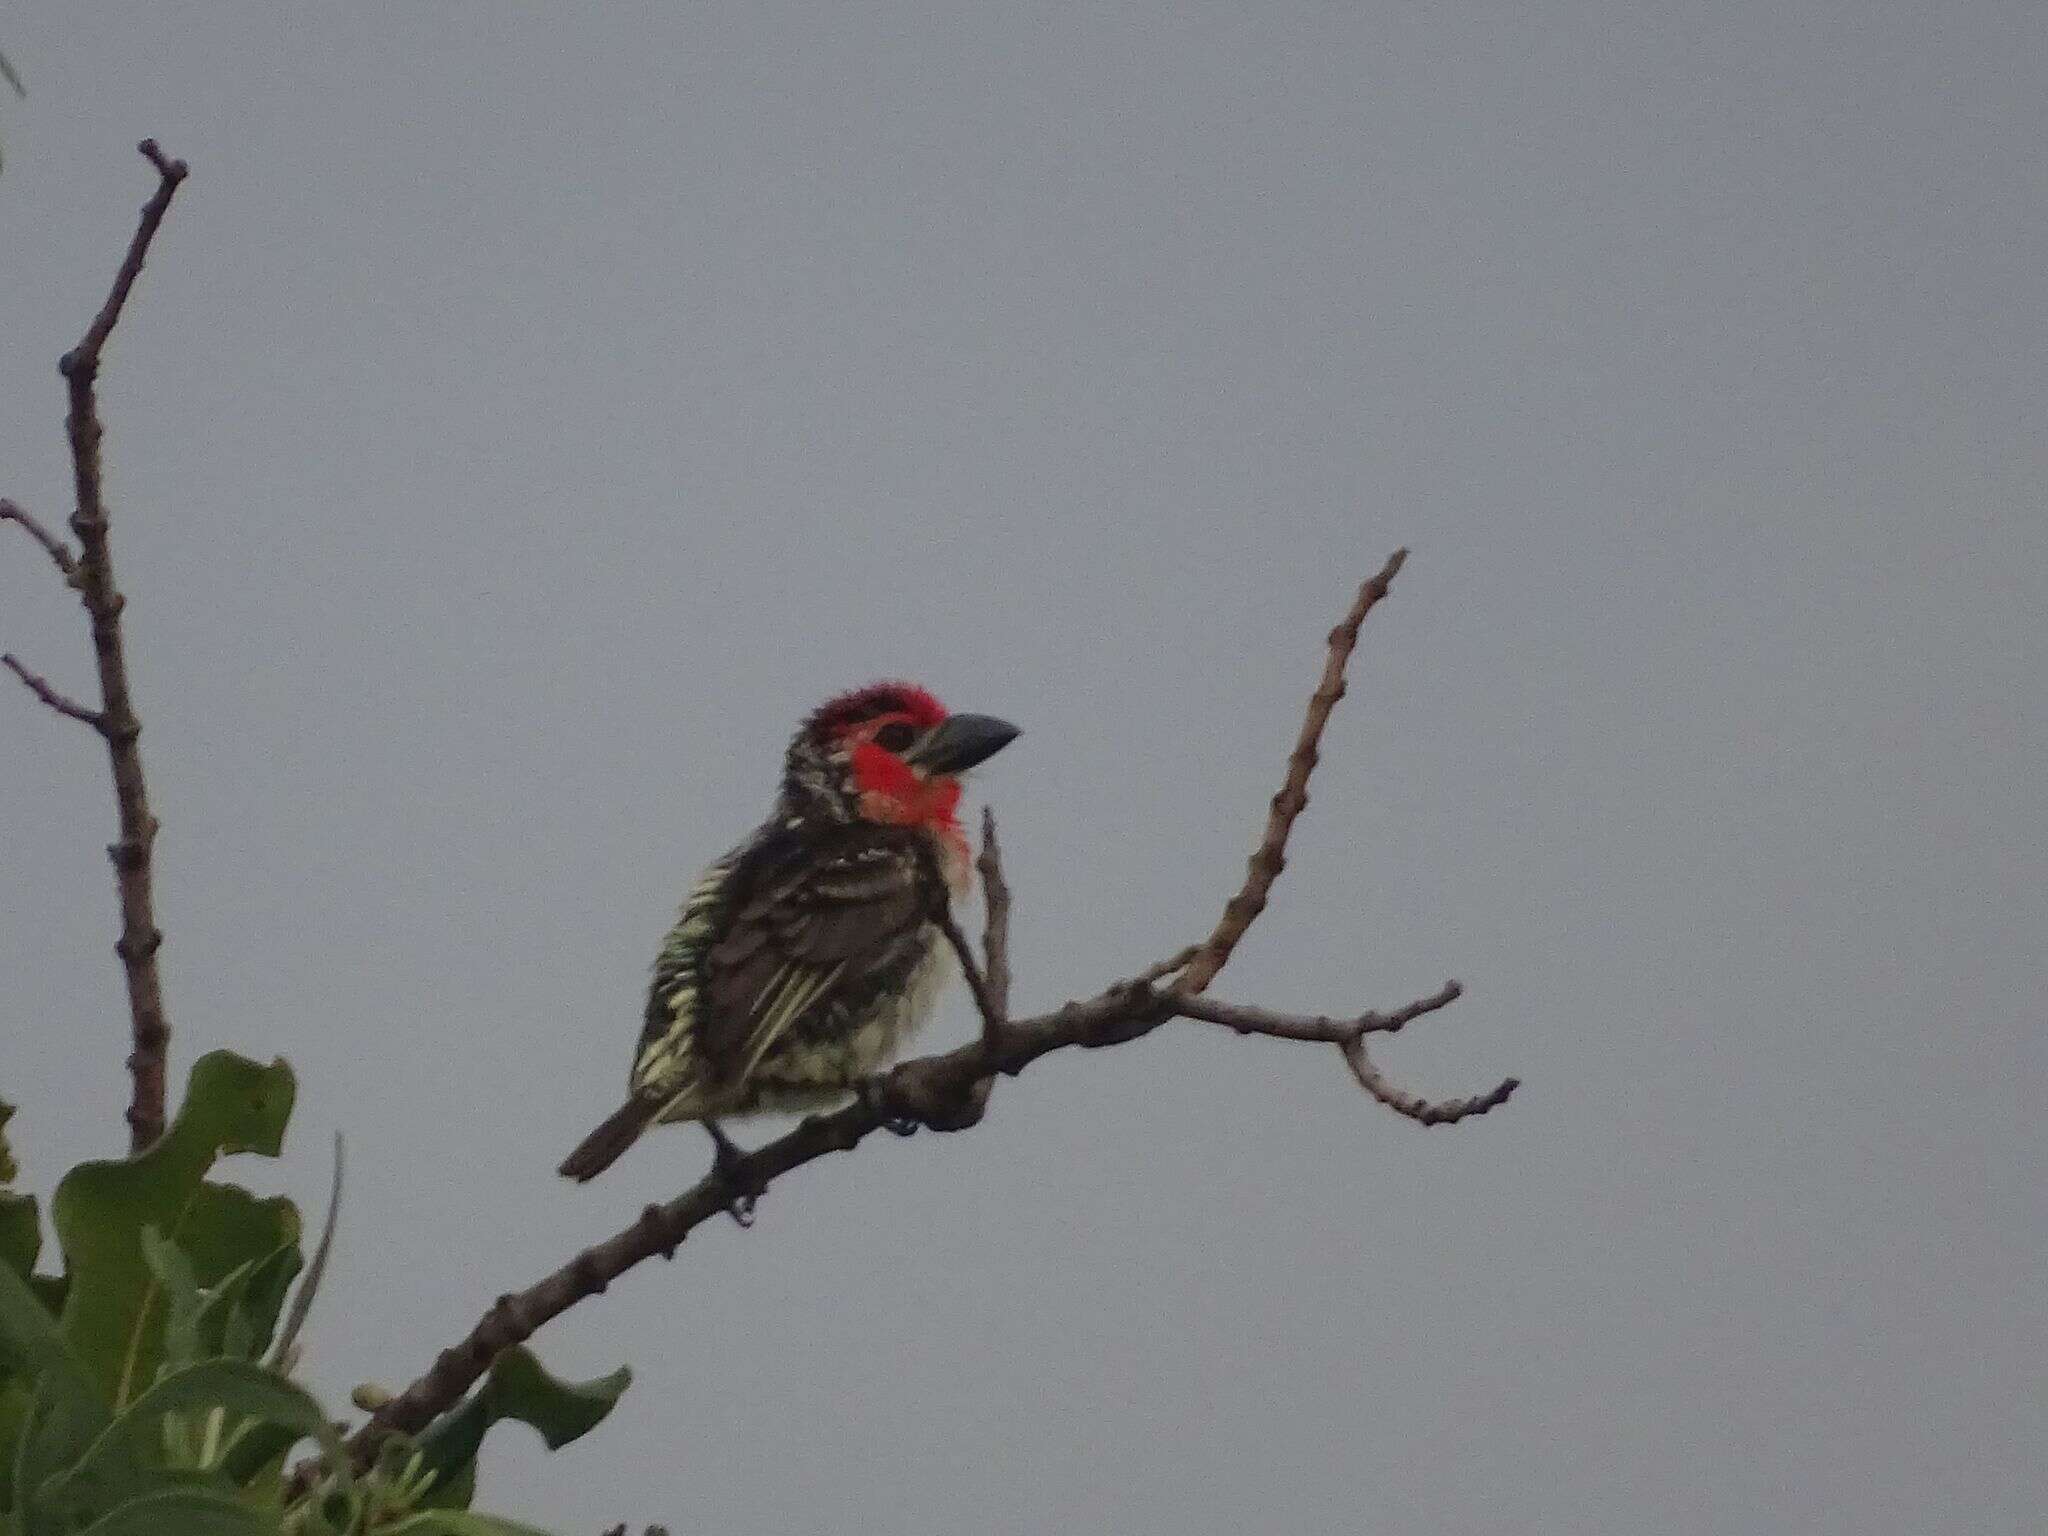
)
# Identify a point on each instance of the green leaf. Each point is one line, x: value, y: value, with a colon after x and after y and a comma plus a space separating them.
x: 14, y: 1406
x: 31, y: 1335
x: 458, y: 1522
x: 21, y: 1235
x: 259, y: 1454
x: 518, y: 1387
x: 185, y: 1512
x: 55, y: 1431
x: 114, y: 1314
x: 50, y: 1291
x: 119, y: 1457
x: 52, y: 1421
x: 247, y: 1328
x: 285, y: 1352
x: 180, y: 1289
x: 219, y: 1308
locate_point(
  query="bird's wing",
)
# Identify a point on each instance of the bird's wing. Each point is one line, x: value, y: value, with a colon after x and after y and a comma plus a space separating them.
x: 665, y: 1061
x: 809, y: 936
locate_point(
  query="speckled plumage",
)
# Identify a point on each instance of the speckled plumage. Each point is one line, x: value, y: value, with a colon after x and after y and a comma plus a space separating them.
x: 802, y: 960
x: 799, y: 963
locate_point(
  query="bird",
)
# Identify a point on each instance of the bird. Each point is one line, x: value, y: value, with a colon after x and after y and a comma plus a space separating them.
x: 802, y: 960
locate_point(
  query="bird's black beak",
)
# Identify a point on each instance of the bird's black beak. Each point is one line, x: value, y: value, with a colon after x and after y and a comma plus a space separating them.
x: 961, y: 741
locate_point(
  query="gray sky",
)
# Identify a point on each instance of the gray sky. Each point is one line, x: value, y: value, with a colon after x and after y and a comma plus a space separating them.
x: 530, y: 411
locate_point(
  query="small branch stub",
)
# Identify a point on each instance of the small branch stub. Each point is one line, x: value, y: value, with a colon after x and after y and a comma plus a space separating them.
x: 59, y: 552
x: 38, y: 685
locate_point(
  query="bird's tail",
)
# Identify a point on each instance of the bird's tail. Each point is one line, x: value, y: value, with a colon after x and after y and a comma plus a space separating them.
x: 607, y: 1144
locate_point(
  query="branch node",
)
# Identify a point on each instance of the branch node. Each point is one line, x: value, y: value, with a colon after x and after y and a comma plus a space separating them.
x: 140, y: 946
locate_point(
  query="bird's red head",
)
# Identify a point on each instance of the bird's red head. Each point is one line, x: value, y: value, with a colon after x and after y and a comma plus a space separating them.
x: 892, y: 753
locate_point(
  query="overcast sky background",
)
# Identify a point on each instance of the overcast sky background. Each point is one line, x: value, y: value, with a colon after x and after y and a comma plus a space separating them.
x: 528, y: 412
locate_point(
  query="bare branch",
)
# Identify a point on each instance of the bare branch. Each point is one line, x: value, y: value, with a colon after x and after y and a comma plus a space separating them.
x: 995, y: 937
x: 1285, y: 1026
x: 91, y: 572
x: 1270, y: 857
x: 85, y: 357
x: 54, y: 547
x: 64, y: 705
x: 132, y: 853
x: 1422, y: 1111
x: 932, y: 1091
x: 947, y: 1092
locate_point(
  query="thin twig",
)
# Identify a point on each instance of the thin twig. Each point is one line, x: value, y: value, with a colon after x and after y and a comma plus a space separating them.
x: 62, y: 703
x: 1247, y: 1020
x: 995, y: 937
x: 1420, y: 1110
x: 970, y: 968
x: 86, y: 355
x: 1270, y: 857
x: 140, y: 939
x: 54, y: 547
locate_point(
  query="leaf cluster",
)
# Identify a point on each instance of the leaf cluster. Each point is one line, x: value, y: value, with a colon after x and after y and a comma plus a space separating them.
x: 146, y: 1388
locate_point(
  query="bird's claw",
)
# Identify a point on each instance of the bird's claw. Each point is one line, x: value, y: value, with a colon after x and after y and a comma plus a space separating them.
x: 725, y: 1158
x: 873, y: 1096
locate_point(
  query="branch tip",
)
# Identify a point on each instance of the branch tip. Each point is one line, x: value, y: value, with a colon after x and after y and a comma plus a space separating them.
x: 1414, y: 1107
x: 1269, y: 858
x: 172, y: 171
x: 995, y: 937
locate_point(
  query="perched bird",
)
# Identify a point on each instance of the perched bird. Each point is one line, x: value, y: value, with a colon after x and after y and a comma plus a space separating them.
x: 801, y: 961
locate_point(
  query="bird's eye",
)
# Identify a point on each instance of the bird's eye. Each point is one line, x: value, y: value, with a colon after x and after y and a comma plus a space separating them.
x: 895, y: 736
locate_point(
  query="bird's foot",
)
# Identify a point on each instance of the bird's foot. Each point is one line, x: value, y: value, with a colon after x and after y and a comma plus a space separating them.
x: 725, y: 1158
x: 874, y: 1095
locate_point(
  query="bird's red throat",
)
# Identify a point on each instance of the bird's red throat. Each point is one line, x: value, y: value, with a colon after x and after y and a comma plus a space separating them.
x: 893, y: 792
